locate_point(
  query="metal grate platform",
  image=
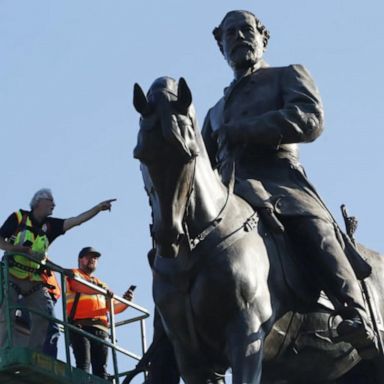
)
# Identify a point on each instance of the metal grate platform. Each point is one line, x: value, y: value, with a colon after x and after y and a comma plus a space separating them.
x: 23, y: 366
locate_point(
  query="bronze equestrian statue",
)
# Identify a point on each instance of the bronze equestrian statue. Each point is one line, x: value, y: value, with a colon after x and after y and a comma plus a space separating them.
x: 228, y: 289
x: 223, y: 279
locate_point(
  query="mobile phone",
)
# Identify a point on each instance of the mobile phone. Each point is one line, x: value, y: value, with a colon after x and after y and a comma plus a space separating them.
x: 132, y: 288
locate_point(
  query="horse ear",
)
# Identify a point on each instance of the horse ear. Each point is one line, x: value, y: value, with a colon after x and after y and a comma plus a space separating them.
x: 140, y: 100
x: 184, y: 95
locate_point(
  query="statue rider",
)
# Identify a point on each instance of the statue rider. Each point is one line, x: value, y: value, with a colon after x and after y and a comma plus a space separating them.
x: 256, y: 127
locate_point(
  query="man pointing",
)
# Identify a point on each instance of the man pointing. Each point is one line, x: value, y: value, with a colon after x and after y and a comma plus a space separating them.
x: 31, y: 232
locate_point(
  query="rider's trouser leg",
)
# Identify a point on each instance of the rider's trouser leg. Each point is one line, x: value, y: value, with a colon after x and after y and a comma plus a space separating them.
x: 337, y: 278
x: 319, y: 242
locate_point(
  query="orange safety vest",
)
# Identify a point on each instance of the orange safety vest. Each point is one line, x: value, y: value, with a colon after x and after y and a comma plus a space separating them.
x: 53, y: 285
x: 89, y: 306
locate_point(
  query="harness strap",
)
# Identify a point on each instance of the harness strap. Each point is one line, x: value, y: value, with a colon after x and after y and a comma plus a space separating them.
x: 23, y: 228
x: 30, y: 291
x: 21, y: 223
x: 211, y: 226
x: 201, y: 236
x: 74, y: 307
x: 212, y: 245
x: 222, y: 244
x: 13, y: 263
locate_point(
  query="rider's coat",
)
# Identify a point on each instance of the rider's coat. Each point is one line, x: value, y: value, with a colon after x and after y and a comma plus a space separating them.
x: 268, y: 112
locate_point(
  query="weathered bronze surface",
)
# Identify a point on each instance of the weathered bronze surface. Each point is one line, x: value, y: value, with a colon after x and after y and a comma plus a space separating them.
x: 233, y: 290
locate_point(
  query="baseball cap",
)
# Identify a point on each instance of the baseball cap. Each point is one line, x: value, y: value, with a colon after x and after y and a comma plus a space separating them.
x: 87, y: 250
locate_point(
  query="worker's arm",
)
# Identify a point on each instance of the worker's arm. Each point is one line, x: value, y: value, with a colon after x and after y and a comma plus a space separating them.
x: 120, y: 307
x: 8, y: 247
x: 87, y: 215
x: 8, y: 228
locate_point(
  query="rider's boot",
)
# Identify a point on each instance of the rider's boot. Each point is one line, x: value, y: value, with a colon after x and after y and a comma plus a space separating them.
x: 356, y: 329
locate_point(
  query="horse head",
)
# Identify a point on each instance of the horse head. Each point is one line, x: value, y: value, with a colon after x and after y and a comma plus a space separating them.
x: 167, y: 149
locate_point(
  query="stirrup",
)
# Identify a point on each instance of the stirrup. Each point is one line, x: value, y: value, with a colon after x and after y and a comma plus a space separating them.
x: 362, y: 338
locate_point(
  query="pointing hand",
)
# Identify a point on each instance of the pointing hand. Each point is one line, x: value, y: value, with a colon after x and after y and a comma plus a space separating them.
x: 106, y: 205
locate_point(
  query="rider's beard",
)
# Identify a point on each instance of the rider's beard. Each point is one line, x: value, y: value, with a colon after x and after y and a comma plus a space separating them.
x: 243, y: 58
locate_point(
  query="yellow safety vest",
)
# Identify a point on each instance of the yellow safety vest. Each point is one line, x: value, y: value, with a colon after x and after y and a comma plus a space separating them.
x: 39, y: 243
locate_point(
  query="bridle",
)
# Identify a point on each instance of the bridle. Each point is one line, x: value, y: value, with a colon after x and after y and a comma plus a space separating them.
x: 195, y: 240
x: 201, y: 236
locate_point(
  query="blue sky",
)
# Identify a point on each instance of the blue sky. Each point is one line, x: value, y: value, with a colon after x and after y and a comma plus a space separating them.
x: 67, y: 69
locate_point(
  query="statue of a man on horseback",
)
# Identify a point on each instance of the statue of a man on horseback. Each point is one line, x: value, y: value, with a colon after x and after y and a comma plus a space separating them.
x: 225, y: 287
x: 254, y: 130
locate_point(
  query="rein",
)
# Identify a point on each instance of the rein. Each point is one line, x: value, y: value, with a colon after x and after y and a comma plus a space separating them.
x: 193, y: 242
x: 211, y: 226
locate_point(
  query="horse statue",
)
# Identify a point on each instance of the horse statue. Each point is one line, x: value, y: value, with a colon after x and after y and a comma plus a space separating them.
x: 230, y: 293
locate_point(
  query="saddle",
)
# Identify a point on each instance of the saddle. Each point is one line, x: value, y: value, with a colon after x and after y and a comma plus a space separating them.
x: 253, y: 192
x: 259, y: 198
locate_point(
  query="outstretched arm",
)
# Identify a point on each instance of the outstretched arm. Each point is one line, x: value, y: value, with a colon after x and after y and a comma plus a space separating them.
x: 87, y: 215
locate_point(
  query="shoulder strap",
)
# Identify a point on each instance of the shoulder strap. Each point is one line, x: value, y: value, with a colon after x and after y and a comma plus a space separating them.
x: 22, y: 218
x: 19, y: 216
x: 74, y: 307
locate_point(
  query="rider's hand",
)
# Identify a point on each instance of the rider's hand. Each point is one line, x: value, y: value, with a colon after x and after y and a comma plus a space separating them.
x: 233, y: 133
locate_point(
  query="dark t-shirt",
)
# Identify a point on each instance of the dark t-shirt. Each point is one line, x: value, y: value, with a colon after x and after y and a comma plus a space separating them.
x: 51, y: 226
